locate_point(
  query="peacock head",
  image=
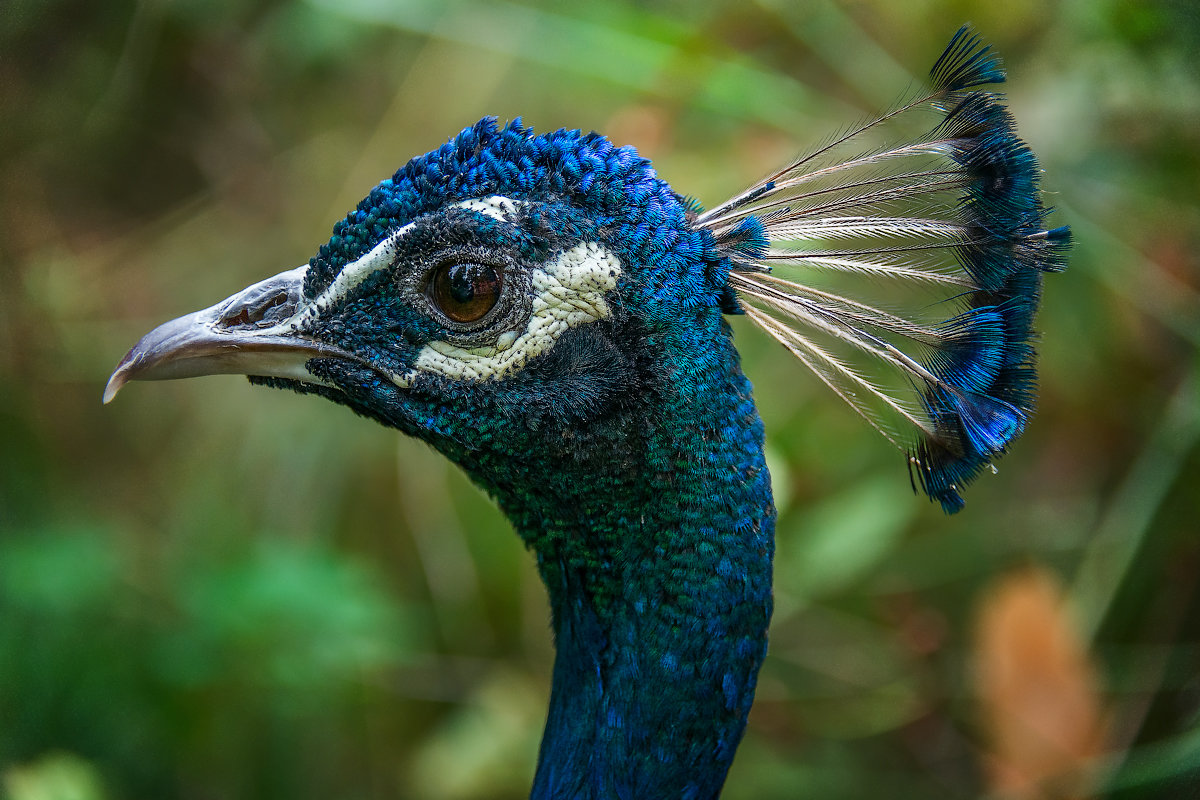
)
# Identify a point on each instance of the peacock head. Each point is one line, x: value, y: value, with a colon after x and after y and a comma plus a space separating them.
x: 492, y: 288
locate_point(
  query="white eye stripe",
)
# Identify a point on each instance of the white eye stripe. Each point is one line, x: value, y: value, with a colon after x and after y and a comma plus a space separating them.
x: 496, y: 206
x: 353, y: 274
x: 567, y: 292
x: 382, y: 257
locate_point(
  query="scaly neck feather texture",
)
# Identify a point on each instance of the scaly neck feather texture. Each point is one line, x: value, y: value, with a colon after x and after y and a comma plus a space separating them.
x: 653, y: 529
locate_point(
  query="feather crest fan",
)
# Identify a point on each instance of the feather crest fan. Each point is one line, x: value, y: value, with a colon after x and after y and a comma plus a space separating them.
x: 955, y: 216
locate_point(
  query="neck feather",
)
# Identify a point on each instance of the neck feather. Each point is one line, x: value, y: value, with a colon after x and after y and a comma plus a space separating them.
x: 654, y: 536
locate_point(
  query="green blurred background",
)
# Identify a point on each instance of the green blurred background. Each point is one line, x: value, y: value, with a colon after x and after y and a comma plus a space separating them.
x: 214, y: 591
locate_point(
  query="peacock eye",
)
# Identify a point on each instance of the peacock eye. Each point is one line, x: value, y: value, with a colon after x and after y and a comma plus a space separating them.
x: 464, y: 291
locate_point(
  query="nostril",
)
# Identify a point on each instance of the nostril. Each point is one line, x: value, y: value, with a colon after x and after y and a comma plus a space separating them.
x: 259, y: 313
x: 241, y: 318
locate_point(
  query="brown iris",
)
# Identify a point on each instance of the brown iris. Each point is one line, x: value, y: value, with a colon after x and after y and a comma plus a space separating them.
x: 465, y: 291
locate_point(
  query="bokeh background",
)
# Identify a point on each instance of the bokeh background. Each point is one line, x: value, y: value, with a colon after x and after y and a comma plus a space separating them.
x: 209, y: 590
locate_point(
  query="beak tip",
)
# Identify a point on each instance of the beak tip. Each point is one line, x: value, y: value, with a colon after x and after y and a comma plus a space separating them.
x: 121, y: 375
x: 115, y: 382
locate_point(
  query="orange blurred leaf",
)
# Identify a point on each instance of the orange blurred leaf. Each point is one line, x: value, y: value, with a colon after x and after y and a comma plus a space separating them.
x: 1038, y: 692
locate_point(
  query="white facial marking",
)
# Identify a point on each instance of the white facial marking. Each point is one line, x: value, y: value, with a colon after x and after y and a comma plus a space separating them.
x: 381, y: 257
x: 403, y: 381
x: 567, y: 292
x: 496, y: 206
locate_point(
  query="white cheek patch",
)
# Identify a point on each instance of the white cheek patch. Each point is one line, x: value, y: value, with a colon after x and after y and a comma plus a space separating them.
x: 567, y: 292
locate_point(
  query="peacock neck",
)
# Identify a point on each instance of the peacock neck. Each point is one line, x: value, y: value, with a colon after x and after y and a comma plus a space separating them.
x: 654, y: 535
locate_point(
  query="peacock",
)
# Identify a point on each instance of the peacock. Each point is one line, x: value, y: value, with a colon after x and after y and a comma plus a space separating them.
x: 550, y: 315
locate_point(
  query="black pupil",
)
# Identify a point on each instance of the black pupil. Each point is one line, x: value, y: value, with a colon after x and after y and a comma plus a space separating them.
x: 465, y: 292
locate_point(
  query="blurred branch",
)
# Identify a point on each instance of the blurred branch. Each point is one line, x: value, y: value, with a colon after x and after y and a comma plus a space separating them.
x: 1124, y: 528
x: 1158, y: 762
x: 830, y: 31
x: 732, y: 86
x: 1137, y: 279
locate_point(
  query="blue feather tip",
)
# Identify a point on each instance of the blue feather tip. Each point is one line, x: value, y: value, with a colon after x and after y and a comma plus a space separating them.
x: 989, y: 377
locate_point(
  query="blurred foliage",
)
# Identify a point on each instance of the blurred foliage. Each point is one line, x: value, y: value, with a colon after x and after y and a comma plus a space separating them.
x: 213, y: 591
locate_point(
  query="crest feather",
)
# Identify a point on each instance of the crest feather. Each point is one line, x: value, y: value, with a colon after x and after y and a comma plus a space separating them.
x: 948, y: 226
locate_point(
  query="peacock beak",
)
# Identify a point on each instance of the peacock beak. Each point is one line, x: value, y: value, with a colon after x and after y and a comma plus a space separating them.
x: 251, y: 333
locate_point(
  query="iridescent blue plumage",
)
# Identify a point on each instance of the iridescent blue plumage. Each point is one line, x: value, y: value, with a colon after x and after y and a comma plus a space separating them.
x: 549, y: 314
